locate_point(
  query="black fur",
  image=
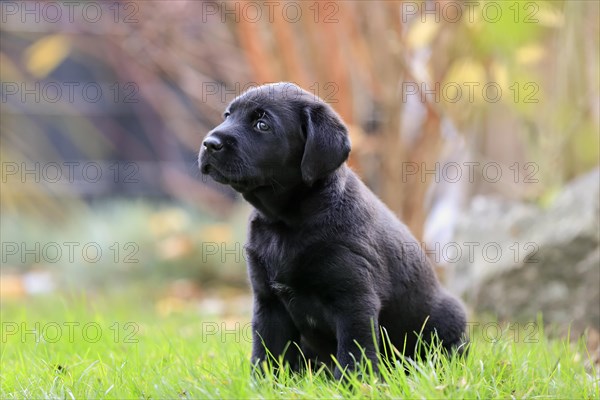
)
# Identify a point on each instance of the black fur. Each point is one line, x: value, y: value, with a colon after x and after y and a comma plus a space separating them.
x: 329, y: 263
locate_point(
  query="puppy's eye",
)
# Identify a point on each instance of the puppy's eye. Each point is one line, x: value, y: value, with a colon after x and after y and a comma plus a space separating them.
x: 262, y: 126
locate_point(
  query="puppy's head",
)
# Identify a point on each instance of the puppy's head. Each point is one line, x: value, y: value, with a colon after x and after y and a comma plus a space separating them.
x: 275, y: 135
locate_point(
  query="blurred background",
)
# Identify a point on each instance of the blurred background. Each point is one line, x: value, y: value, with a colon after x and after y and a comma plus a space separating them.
x: 477, y: 123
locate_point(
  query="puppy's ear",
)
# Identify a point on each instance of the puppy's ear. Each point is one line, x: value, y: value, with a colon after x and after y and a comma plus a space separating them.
x: 327, y: 142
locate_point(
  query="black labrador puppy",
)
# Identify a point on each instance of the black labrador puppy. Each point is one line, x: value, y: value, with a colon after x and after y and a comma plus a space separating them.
x: 330, y: 264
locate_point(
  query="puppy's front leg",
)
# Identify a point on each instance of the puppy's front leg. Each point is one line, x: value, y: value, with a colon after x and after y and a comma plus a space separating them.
x: 357, y: 334
x: 273, y: 332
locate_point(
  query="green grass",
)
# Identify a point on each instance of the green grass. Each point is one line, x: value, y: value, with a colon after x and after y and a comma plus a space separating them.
x: 181, y: 355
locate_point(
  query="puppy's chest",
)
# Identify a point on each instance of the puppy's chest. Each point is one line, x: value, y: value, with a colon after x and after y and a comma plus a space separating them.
x: 277, y: 254
x: 286, y: 264
x: 283, y: 262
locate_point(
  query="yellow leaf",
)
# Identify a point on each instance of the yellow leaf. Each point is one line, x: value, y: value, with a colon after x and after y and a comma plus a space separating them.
x: 422, y: 33
x: 467, y: 70
x: 468, y: 77
x: 168, y: 221
x: 499, y: 73
x: 42, y: 57
x: 530, y: 54
x: 175, y: 247
x: 217, y: 233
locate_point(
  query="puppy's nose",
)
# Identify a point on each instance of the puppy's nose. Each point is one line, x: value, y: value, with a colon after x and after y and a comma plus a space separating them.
x: 213, y: 143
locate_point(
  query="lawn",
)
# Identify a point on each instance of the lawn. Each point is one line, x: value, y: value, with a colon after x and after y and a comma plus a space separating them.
x: 127, y: 347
